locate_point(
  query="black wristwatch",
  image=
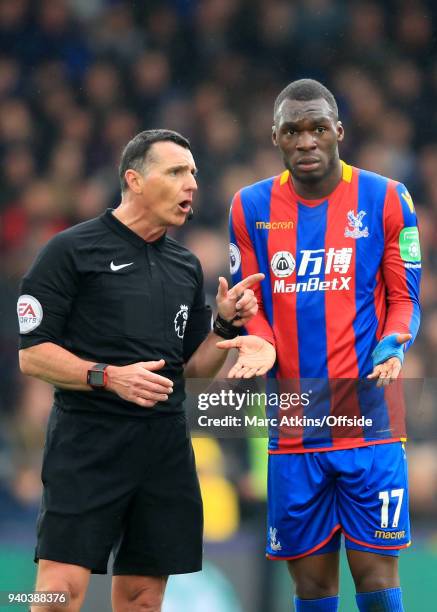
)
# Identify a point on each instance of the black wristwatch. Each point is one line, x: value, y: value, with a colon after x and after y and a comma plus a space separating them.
x: 225, y: 329
x: 96, y: 377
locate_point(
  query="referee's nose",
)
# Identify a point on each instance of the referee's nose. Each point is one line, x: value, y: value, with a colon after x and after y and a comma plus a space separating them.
x: 192, y: 184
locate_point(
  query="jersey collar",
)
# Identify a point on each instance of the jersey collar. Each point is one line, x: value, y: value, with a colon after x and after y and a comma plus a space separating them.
x: 125, y: 232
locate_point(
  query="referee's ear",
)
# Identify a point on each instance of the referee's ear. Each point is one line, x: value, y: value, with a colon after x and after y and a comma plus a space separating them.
x: 134, y: 180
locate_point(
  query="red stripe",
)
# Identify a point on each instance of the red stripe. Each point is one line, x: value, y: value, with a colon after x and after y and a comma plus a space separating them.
x: 400, y: 304
x: 380, y: 303
x: 340, y: 304
x: 395, y: 400
x: 326, y: 540
x: 397, y: 316
x: 398, y: 547
x: 283, y: 208
x: 347, y: 442
x: 308, y: 552
x: 249, y: 263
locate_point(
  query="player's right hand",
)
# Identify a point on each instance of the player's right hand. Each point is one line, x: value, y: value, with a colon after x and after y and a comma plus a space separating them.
x: 255, y: 356
x: 138, y: 383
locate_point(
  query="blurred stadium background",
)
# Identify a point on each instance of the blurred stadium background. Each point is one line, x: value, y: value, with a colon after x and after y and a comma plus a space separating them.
x: 78, y: 78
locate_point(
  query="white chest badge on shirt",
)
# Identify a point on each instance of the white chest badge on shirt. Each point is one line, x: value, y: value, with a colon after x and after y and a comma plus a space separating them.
x: 29, y: 312
x: 180, y: 321
x: 355, y: 224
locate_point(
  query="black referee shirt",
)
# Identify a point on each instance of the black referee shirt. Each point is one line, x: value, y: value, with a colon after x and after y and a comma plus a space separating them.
x: 103, y: 293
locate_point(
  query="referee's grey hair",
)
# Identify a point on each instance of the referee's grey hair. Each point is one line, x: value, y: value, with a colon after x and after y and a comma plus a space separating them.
x: 136, y: 151
x: 306, y: 89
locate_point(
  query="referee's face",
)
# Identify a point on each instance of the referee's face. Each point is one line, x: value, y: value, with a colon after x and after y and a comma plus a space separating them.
x: 169, y: 184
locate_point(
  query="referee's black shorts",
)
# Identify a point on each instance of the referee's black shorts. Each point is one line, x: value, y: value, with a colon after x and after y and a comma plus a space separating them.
x: 121, y: 484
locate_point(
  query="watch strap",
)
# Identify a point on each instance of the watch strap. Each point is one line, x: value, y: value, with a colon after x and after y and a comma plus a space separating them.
x: 225, y: 329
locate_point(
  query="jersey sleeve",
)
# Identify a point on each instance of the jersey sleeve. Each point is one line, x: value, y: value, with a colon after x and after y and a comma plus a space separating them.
x: 244, y: 262
x: 401, y: 264
x: 46, y: 294
x: 199, y: 323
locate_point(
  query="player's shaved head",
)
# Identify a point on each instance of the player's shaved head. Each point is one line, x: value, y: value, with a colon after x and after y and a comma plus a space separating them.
x: 137, y: 153
x: 304, y: 90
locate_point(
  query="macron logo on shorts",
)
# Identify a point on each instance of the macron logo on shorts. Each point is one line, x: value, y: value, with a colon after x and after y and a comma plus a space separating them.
x: 30, y: 313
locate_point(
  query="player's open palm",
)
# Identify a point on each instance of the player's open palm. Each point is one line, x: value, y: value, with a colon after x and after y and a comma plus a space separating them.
x: 255, y: 356
x: 388, y: 370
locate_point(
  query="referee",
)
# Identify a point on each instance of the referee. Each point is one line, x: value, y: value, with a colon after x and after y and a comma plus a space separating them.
x: 112, y: 313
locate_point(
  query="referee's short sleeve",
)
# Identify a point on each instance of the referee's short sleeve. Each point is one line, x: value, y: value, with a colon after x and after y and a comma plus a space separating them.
x: 46, y: 294
x: 200, y: 321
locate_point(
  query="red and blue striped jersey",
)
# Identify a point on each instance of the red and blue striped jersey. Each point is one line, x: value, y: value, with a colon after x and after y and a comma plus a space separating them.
x: 340, y: 273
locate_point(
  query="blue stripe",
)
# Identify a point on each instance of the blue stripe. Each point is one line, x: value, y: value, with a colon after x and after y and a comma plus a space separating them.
x: 372, y: 190
x: 311, y: 322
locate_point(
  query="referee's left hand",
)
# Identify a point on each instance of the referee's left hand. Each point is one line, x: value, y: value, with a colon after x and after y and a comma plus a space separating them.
x: 238, y: 304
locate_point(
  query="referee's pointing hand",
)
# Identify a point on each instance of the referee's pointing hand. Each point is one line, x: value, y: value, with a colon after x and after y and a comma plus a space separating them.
x: 139, y: 384
x: 238, y: 304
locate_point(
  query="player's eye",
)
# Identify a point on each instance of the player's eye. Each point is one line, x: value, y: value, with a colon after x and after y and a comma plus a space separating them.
x: 320, y: 129
x: 291, y: 131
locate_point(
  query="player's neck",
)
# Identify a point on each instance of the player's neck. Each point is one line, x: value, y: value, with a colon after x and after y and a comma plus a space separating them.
x: 135, y: 220
x: 322, y: 189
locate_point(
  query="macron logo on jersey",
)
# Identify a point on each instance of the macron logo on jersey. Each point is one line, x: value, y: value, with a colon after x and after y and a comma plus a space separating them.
x: 312, y: 263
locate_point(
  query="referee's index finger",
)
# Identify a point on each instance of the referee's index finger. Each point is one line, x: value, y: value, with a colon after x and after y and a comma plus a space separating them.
x: 152, y: 376
x: 250, y: 280
x: 160, y: 380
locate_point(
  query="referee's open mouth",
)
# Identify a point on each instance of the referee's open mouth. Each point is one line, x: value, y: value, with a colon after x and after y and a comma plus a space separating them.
x: 185, y: 206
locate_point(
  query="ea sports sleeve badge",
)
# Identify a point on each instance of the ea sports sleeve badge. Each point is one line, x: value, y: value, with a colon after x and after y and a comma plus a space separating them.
x: 30, y: 313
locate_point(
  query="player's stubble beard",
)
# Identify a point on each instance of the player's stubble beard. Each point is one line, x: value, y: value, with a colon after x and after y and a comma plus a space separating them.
x: 309, y: 178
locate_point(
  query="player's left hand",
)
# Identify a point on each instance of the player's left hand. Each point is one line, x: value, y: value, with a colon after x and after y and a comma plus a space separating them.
x: 387, y: 371
x: 238, y: 304
x: 255, y: 356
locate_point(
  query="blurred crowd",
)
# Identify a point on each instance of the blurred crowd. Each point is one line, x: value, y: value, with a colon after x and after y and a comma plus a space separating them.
x: 78, y: 78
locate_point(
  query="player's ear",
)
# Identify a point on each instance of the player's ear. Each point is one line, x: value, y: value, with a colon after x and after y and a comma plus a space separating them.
x: 340, y: 131
x: 274, y: 136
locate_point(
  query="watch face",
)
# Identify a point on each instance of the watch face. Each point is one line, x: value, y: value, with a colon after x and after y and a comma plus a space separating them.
x: 96, y: 378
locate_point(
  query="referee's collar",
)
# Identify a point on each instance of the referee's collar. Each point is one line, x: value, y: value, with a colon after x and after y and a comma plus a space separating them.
x: 123, y: 230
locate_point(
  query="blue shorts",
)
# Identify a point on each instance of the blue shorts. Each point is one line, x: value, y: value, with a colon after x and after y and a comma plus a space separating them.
x: 360, y: 492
